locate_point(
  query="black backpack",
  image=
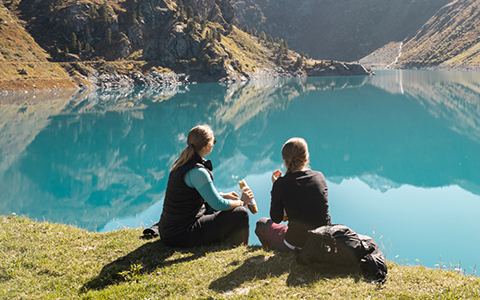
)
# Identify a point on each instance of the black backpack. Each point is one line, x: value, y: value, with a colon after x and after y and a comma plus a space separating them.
x: 339, y: 249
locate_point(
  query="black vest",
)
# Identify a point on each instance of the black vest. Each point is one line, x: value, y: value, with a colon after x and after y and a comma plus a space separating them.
x: 183, y: 205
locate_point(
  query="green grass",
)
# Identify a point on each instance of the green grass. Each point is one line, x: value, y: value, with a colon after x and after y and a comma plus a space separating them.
x: 41, y: 260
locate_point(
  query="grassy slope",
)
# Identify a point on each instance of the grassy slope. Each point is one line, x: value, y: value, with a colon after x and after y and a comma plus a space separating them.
x: 451, y: 35
x: 40, y: 260
x: 450, y: 39
x: 23, y: 63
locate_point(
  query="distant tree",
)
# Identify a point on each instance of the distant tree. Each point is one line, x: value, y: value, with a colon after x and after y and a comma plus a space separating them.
x: 245, y: 28
x: 302, y: 54
x: 88, y: 49
x: 269, y: 39
x: 299, y: 61
x: 253, y: 31
x: 189, y: 11
x: 284, y: 46
x: 180, y: 7
x: 190, y: 26
x: 206, y: 59
x: 210, y: 37
x: 132, y: 18
x: 218, y: 36
x: 306, y: 56
x: 180, y: 14
x: 279, y: 60
x: 263, y: 37
x: 108, y: 36
x: 277, y: 40
x: 73, y: 42
x: 103, y: 12
x: 93, y: 12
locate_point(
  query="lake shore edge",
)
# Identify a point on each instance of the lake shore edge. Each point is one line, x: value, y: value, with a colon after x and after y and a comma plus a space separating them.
x: 47, y: 260
x: 111, y: 75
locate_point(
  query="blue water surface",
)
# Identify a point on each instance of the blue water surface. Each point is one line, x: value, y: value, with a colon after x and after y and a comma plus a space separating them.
x: 400, y: 151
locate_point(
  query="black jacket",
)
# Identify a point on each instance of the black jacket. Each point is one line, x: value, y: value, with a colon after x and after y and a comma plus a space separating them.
x: 183, y: 205
x: 304, y: 196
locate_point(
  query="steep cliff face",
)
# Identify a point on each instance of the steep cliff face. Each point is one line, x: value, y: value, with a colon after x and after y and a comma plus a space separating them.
x: 175, y: 34
x: 329, y: 29
x: 117, y: 29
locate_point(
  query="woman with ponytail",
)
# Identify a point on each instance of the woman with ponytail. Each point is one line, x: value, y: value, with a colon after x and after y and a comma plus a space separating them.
x: 186, y: 220
x: 300, y: 197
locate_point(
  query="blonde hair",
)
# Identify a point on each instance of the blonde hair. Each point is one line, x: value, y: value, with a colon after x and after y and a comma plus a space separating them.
x: 295, y: 154
x: 198, y: 137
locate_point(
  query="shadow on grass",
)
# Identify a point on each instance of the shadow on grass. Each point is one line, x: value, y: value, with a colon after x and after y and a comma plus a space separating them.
x: 146, y: 259
x: 264, y: 267
x: 153, y: 255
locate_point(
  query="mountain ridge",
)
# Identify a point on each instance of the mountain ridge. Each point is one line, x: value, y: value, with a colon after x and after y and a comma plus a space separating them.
x: 345, y: 30
x: 431, y: 34
x: 128, y: 42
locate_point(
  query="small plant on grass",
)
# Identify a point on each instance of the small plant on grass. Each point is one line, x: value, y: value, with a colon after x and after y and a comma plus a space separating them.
x: 134, y: 274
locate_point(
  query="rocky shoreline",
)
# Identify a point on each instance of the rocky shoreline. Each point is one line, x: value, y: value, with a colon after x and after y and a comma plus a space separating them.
x: 99, y: 79
x: 103, y: 80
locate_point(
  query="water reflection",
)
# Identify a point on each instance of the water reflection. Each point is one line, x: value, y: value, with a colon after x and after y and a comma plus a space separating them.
x: 100, y: 159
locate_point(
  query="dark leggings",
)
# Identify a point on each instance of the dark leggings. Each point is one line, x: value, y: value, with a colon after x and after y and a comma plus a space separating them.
x: 222, y: 226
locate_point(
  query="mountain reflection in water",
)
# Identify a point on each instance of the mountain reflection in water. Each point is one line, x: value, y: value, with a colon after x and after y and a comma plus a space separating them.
x: 101, y: 158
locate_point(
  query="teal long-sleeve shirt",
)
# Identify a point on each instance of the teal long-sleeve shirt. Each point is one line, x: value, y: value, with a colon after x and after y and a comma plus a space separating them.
x: 199, y: 179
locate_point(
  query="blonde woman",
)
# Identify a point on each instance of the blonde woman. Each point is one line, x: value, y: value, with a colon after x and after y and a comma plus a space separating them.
x: 185, y: 220
x: 300, y: 197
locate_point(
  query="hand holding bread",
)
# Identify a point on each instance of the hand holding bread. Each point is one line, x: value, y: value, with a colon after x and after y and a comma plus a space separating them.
x: 247, y: 196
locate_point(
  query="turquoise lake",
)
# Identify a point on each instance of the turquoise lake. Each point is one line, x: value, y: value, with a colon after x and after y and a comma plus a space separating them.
x: 400, y: 151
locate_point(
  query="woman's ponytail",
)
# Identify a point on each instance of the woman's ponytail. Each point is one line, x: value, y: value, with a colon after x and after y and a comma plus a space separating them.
x: 198, y: 137
x: 187, y: 154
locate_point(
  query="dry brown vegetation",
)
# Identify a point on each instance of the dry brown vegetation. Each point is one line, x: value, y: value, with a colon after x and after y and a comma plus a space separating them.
x: 450, y: 36
x: 23, y: 63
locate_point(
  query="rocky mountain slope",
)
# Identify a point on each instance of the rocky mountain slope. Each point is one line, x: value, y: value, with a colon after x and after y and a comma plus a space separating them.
x: 345, y: 30
x: 147, y: 39
x: 449, y: 40
x: 434, y: 34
